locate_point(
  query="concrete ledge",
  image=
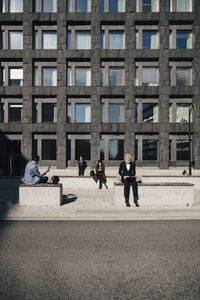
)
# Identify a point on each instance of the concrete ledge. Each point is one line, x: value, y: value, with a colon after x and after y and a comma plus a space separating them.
x: 40, y: 194
x: 158, y: 194
x: 83, y: 182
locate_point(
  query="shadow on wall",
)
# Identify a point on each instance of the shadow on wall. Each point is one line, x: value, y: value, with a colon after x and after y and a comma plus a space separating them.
x: 69, y: 198
x: 12, y: 164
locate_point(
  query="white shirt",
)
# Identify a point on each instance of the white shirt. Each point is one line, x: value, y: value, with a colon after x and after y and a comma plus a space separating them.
x: 128, y: 167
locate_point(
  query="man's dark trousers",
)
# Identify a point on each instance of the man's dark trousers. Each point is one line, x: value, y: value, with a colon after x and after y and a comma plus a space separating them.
x: 127, y: 183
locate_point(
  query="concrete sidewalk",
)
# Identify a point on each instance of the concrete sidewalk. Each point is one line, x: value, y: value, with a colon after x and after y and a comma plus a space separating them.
x: 85, y: 204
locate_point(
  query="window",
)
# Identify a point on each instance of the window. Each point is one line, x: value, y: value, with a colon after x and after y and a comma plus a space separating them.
x: 116, y: 149
x: 180, y: 37
x: 179, y: 109
x: 116, y: 113
x: 112, y: 110
x: 69, y: 113
x: 79, y: 5
x: 79, y: 37
x: 15, y: 112
x: 181, y: 5
x: 149, y: 112
x: 112, y: 5
x: 112, y: 37
x: 49, y: 112
x: 46, y: 6
x: 83, y: 112
x: 48, y: 149
x: 146, y: 5
x: 12, y: 6
x: 45, y: 37
x: 15, y: 76
x: 112, y: 73
x: 182, y: 150
x: 11, y: 110
x: 180, y: 73
x: 45, y: 110
x: 1, y: 113
x: 78, y: 74
x: 45, y: 73
x: 82, y: 147
x: 146, y: 74
x: 149, y: 149
x: 11, y: 37
x: 147, y: 37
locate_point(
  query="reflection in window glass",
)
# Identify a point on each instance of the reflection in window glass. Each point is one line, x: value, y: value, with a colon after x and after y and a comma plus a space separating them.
x: 69, y: 40
x: 15, y: 40
x: 183, y: 76
x: 182, y: 111
x: 116, y: 113
x: 69, y: 114
x: 116, y: 149
x: 116, y: 76
x: 83, y: 112
x: 36, y: 40
x: 83, y: 40
x: 16, y: 76
x: 116, y: 5
x: 116, y: 39
x: 150, y: 39
x: 15, y: 112
x: 82, y: 5
x: 150, y: 112
x: 49, y: 76
x: 82, y: 147
x: 149, y: 76
x: 16, y: 6
x: 68, y: 150
x: 102, y: 112
x: 1, y: 113
x: 49, y: 5
x: 184, y: 39
x: 49, y: 149
x: 183, y: 5
x: 149, y: 5
x: 82, y: 76
x: 149, y: 149
x: 49, y: 112
x: 49, y: 40
x: 182, y: 150
x: 136, y: 150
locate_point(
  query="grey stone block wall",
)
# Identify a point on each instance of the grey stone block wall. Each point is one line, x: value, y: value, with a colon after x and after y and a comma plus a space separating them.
x: 129, y: 129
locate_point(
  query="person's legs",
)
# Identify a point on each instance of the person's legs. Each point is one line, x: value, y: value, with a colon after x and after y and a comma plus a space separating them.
x: 135, y: 192
x: 43, y: 179
x: 126, y: 191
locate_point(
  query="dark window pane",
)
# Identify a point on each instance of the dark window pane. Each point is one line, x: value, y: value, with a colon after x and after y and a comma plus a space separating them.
x: 116, y: 149
x: 34, y: 148
x: 102, y: 149
x: 183, y: 39
x: 1, y: 113
x: 116, y: 113
x: 81, y: 6
x: 150, y: 112
x: 113, y: 5
x: 182, y: 150
x: 102, y: 5
x: 69, y: 40
x: 68, y: 150
x: 49, y: 5
x: 15, y: 112
x: 136, y: 149
x: 146, y: 6
x: 102, y: 36
x: 82, y: 147
x: 83, y: 112
x: 49, y: 112
x: 149, y: 149
x: 49, y: 149
x: 136, y: 112
x: 170, y: 150
x: 68, y: 112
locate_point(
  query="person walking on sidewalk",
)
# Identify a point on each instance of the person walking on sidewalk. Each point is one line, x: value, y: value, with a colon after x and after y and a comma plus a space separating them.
x: 127, y: 173
x: 100, y: 174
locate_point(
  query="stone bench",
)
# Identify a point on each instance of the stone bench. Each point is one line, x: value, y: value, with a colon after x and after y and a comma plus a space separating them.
x: 83, y: 182
x: 157, y: 194
x: 40, y: 194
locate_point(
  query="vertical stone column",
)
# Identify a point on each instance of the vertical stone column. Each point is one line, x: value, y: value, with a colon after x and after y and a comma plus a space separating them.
x: 27, y: 82
x: 61, y: 90
x: 95, y: 82
x: 163, y: 87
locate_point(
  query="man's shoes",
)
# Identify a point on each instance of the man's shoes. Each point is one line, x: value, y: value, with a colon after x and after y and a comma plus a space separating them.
x: 136, y: 204
x: 128, y: 204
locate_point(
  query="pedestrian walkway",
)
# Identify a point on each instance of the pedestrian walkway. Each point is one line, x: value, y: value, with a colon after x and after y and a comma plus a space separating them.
x: 85, y: 204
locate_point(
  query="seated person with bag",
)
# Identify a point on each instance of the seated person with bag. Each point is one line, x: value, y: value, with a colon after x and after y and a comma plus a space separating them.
x: 32, y: 174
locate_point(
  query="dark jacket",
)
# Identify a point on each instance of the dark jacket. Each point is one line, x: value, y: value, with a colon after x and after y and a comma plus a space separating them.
x: 100, y: 173
x: 82, y: 165
x: 124, y: 172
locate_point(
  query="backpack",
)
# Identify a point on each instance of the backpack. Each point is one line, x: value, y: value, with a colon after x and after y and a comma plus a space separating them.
x: 55, y: 179
x: 92, y: 174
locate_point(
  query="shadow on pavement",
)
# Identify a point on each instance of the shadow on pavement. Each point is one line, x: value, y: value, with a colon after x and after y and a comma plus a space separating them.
x: 69, y: 198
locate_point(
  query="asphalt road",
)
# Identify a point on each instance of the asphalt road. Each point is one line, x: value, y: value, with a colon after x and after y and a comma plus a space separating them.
x: 100, y: 260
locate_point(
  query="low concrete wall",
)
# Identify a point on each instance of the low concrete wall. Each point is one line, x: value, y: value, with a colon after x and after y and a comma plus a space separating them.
x: 83, y: 182
x: 40, y: 194
x: 157, y: 194
x: 171, y: 179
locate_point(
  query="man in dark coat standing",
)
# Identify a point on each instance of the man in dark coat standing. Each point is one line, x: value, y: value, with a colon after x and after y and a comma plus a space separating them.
x: 127, y: 173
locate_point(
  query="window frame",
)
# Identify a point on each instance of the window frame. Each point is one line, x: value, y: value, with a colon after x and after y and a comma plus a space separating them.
x: 40, y: 29
x: 73, y: 65
x: 38, y: 102
x: 140, y: 65
x: 139, y: 149
x: 5, y: 70
x: 106, y: 139
x: 140, y: 102
x: 105, y: 66
x: 73, y: 102
x: 6, y: 29
x: 139, y: 6
x: 106, y: 29
x: 6, y: 102
x: 40, y: 7
x: 173, y: 66
x: 140, y: 29
x: 106, y: 7
x: 174, y: 29
x: 7, y: 7
x: 39, y: 137
x: 174, y: 102
x: 106, y: 102
x: 73, y: 29
x: 172, y: 6
x: 40, y: 65
x: 73, y: 7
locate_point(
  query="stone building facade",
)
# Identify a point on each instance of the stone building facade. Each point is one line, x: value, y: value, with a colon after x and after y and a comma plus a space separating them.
x: 126, y: 92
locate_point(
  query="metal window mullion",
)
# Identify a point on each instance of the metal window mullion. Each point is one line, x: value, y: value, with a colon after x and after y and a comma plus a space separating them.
x: 106, y: 149
x: 39, y: 146
x: 73, y: 113
x: 73, y: 5
x: 106, y: 38
x: 5, y: 108
x: 140, y: 75
x: 140, y: 149
x: 40, y: 75
x: 140, y: 32
x: 106, y: 112
x: 73, y: 38
x: 173, y: 149
x: 73, y: 75
x: 106, y: 75
x: 39, y: 38
x: 106, y: 5
x: 173, y: 112
x: 39, y: 112
x: 140, y: 105
x: 40, y: 8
